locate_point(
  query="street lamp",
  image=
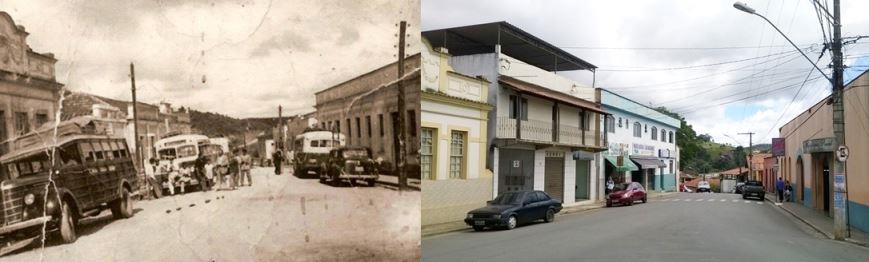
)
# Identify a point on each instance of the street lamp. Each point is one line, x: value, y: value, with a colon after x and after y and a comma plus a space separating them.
x: 743, y: 7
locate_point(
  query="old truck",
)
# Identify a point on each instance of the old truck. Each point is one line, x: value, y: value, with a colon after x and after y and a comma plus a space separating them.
x: 311, y: 151
x: 53, y: 182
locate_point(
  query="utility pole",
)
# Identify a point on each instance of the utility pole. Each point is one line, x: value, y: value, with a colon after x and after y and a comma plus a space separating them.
x: 840, y: 193
x: 280, y: 143
x: 750, y: 154
x: 400, y: 158
x: 137, y: 145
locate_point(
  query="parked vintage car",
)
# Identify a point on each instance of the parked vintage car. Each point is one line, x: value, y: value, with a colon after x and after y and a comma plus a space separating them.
x: 512, y: 208
x: 351, y: 164
x: 626, y: 194
x: 84, y: 173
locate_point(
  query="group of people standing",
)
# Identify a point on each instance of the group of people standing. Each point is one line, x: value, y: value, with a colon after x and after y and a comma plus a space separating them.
x: 784, y: 190
x: 228, y: 172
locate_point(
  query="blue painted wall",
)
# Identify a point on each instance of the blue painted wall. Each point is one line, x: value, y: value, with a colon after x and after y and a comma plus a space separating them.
x: 807, y: 192
x: 858, y: 216
x: 669, y: 182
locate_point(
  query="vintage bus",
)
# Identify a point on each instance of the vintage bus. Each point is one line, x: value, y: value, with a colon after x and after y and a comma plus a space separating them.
x: 182, y: 151
x: 311, y: 150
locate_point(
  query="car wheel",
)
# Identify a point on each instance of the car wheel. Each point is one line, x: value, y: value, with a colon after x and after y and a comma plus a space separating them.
x: 761, y: 197
x: 609, y: 203
x: 744, y: 197
x: 122, y: 207
x: 479, y: 228
x: 511, y: 222
x: 550, y: 216
x: 644, y: 199
x: 630, y: 202
x: 67, y: 223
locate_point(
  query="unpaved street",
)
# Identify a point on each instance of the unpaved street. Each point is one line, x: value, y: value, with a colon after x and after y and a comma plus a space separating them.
x: 280, y: 218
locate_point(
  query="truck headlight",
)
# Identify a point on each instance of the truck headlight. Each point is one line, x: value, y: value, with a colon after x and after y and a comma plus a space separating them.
x: 497, y: 216
x: 312, y: 160
x: 29, y: 199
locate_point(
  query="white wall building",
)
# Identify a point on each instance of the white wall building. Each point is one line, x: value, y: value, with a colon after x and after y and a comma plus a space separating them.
x: 543, y: 133
x: 641, y: 143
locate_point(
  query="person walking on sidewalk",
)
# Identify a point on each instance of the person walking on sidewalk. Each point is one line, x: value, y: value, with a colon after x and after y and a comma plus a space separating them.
x: 789, y: 190
x: 779, y: 189
x: 610, y: 185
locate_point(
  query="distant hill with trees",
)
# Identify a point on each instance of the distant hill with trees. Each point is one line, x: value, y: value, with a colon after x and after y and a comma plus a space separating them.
x: 701, y: 154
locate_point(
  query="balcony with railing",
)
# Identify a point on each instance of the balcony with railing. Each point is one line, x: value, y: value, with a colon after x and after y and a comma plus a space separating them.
x: 541, y: 132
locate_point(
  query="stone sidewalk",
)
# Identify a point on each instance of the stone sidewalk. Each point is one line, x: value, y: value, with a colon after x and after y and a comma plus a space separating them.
x: 443, y: 228
x: 818, y: 221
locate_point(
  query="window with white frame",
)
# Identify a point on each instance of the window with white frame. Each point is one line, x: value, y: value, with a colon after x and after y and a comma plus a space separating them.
x: 663, y: 135
x: 610, y: 124
x: 457, y: 154
x: 638, y: 129
x: 654, y: 133
x: 671, y: 137
x: 426, y: 152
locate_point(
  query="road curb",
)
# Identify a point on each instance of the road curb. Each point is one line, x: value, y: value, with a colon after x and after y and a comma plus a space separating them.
x: 816, y: 228
x: 391, y: 184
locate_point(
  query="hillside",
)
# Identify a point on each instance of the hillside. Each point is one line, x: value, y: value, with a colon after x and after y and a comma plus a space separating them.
x: 214, y: 124
x: 700, y: 154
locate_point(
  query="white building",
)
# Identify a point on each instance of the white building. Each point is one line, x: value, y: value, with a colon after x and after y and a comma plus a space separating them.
x: 641, y: 142
x: 453, y: 148
x: 543, y: 133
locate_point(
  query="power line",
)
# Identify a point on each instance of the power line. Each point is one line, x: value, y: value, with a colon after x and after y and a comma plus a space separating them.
x: 685, y: 108
x: 694, y: 66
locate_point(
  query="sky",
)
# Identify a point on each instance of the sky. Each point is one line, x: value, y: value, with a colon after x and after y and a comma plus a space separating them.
x: 240, y: 58
x: 641, y: 49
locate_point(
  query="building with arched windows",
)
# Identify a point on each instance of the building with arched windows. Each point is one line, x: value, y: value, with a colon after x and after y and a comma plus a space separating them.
x: 641, y: 143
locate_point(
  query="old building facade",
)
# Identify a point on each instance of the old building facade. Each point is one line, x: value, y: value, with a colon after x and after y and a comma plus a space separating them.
x: 365, y: 110
x: 28, y: 89
x: 809, y: 154
x: 543, y: 133
x: 452, y: 140
x: 641, y: 143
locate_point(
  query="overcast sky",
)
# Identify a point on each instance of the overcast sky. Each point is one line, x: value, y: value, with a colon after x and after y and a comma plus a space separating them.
x: 617, y: 35
x: 236, y: 57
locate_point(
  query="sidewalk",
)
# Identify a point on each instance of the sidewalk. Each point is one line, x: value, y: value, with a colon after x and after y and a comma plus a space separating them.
x: 443, y: 228
x: 392, y: 182
x: 818, y: 221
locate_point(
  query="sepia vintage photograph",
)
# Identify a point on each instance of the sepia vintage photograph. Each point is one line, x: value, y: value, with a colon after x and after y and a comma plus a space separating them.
x: 233, y: 130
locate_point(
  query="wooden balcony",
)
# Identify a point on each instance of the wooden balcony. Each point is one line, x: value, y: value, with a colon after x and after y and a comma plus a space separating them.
x: 541, y: 132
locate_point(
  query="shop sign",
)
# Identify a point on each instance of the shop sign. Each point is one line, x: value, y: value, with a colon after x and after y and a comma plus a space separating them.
x: 644, y: 150
x: 778, y: 147
x: 819, y: 145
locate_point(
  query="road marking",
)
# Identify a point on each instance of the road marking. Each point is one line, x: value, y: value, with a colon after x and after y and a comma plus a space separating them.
x: 688, y: 200
x: 724, y: 200
x: 735, y: 200
x: 746, y: 201
x: 676, y: 199
x: 759, y: 203
x: 665, y: 200
x: 710, y: 200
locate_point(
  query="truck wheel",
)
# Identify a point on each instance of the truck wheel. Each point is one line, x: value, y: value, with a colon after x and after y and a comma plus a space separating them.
x: 122, y: 207
x: 67, y: 223
x: 479, y: 228
x: 371, y: 182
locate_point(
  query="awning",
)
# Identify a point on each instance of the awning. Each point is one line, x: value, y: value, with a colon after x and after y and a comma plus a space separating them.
x: 627, y: 165
x: 647, y: 163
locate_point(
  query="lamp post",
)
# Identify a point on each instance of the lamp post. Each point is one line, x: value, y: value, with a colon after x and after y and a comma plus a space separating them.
x: 840, y: 194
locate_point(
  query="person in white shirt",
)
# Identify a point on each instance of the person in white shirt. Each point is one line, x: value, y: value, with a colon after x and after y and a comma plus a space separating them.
x: 610, y: 185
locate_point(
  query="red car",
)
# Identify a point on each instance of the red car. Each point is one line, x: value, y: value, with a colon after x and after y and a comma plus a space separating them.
x: 626, y: 194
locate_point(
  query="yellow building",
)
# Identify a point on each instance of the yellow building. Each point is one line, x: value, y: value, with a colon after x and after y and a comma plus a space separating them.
x: 809, y: 157
x: 452, y: 140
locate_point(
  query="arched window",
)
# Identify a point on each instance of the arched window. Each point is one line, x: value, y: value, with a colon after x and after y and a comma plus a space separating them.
x: 620, y: 122
x: 610, y: 124
x: 654, y: 133
x: 671, y: 137
x: 663, y: 135
x: 638, y: 129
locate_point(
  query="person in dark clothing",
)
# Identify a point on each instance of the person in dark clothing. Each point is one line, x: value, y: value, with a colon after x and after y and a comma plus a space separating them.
x: 789, y: 190
x: 233, y: 172
x: 199, y: 164
x: 779, y: 189
x: 278, y: 159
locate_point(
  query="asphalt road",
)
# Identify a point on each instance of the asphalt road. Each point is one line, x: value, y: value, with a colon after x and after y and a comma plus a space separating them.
x: 680, y: 227
x: 279, y: 218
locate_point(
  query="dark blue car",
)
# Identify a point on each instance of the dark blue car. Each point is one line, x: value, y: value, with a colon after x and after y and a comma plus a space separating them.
x: 512, y: 208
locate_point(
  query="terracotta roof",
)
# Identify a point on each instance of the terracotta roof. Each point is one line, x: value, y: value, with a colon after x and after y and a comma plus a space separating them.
x: 543, y: 92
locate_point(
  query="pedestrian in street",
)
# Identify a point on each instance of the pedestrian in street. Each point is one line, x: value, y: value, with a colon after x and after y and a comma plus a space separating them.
x: 222, y: 169
x: 245, y: 163
x: 610, y: 185
x: 233, y: 171
x: 200, y: 176
x: 278, y: 159
x: 779, y: 189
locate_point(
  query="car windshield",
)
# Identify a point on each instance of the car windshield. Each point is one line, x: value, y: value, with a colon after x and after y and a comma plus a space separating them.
x: 25, y: 167
x: 704, y: 183
x: 355, y: 153
x: 620, y: 187
x: 165, y: 154
x: 187, y: 151
x: 753, y: 183
x: 507, y: 198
